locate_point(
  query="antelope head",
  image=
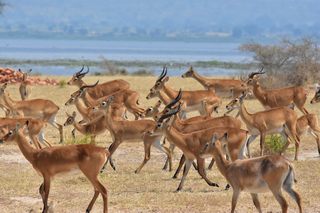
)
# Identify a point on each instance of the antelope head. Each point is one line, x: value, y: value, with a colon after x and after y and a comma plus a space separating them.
x: 104, y: 104
x: 189, y: 73
x: 159, y: 84
x: 10, y: 136
x: 210, y: 147
x: 77, y: 77
x: 253, y: 77
x: 70, y: 119
x: 152, y: 110
x: 170, y: 108
x: 316, y: 97
x: 24, y: 74
x: 3, y: 88
x: 235, y: 103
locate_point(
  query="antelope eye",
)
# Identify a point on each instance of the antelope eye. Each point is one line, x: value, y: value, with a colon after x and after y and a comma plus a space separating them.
x: 104, y: 103
x: 10, y: 132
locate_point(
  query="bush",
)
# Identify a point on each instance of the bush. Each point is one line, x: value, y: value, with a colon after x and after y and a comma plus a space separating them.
x: 78, y: 140
x: 274, y: 143
x: 62, y: 84
x: 287, y: 63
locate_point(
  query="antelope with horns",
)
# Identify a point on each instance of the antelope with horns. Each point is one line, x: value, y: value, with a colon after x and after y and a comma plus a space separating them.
x: 225, y: 87
x: 48, y: 162
x: 34, y: 129
x: 24, y: 88
x: 127, y: 97
x: 100, y: 90
x: 196, y: 124
x: 256, y: 175
x: 204, y: 101
x: 275, y: 120
x: 272, y: 98
x: 191, y: 143
x: 42, y: 109
x: 124, y: 130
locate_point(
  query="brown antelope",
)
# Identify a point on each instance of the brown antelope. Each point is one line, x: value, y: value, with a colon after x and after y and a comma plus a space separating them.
x: 128, y: 98
x: 124, y: 130
x: 275, y: 120
x: 24, y: 89
x: 93, y: 128
x: 100, y: 90
x: 256, y: 175
x: 152, y: 111
x: 195, y: 124
x: 272, y: 98
x: 41, y: 109
x: 316, y: 97
x: 220, y: 86
x: 48, y: 162
x: 191, y: 143
x: 35, y: 129
x: 204, y: 101
x: 309, y: 124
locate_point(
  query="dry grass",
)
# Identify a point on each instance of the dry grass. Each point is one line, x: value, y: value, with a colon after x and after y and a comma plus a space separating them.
x: 150, y: 191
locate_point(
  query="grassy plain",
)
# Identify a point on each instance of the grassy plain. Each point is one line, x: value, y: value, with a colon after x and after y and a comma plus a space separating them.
x: 153, y: 190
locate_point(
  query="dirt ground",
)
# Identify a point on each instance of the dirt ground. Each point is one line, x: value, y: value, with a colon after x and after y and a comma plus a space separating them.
x: 153, y: 190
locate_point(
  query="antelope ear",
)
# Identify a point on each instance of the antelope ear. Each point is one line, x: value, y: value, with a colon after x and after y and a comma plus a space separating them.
x: 18, y: 126
x: 158, y: 103
x: 214, y: 139
x: 165, y: 79
x: 74, y: 114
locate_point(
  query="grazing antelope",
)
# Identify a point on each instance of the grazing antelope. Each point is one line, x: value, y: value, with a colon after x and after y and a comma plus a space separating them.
x: 274, y: 120
x: 48, y: 162
x: 316, y: 97
x: 191, y: 143
x: 41, y: 109
x: 127, y: 97
x: 124, y: 130
x: 100, y: 90
x: 204, y: 101
x: 220, y: 86
x: 256, y: 175
x: 272, y: 98
x: 24, y: 89
x: 35, y: 129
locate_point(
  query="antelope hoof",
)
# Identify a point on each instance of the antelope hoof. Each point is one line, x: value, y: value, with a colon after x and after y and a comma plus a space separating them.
x: 174, y: 177
x: 214, y: 184
x: 87, y: 211
x: 137, y: 171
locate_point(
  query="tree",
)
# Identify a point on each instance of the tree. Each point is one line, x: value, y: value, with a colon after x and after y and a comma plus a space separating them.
x: 289, y: 62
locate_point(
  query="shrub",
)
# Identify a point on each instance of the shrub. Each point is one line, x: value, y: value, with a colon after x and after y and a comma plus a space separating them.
x: 78, y: 140
x: 274, y: 143
x: 62, y: 83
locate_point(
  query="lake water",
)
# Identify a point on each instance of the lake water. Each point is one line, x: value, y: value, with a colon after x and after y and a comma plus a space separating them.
x: 122, y: 51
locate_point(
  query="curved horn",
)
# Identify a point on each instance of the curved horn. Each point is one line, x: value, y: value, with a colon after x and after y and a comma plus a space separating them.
x: 176, y: 100
x: 89, y: 86
x: 168, y: 115
x: 163, y: 73
x: 79, y: 72
x: 251, y: 75
x: 84, y: 73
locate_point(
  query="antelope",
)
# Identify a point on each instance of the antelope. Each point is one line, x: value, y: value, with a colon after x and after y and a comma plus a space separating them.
x: 48, y: 162
x: 100, y: 90
x: 35, y: 129
x: 191, y: 143
x: 87, y: 113
x: 309, y: 123
x: 42, y: 109
x: 316, y: 97
x: 256, y: 175
x: 277, y: 97
x: 153, y: 111
x: 220, y: 86
x: 204, y: 101
x: 128, y: 98
x: 23, y: 88
x: 274, y: 120
x: 124, y: 130
x: 195, y: 124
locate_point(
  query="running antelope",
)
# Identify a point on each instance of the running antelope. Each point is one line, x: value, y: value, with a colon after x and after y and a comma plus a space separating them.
x: 124, y: 130
x: 275, y: 120
x: 24, y: 89
x: 272, y: 98
x: 127, y: 97
x: 48, y: 162
x: 191, y: 143
x: 42, y: 109
x: 100, y: 90
x: 256, y: 175
x: 203, y: 101
x: 220, y: 86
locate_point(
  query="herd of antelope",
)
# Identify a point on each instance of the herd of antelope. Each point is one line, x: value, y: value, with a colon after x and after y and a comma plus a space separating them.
x: 105, y: 106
